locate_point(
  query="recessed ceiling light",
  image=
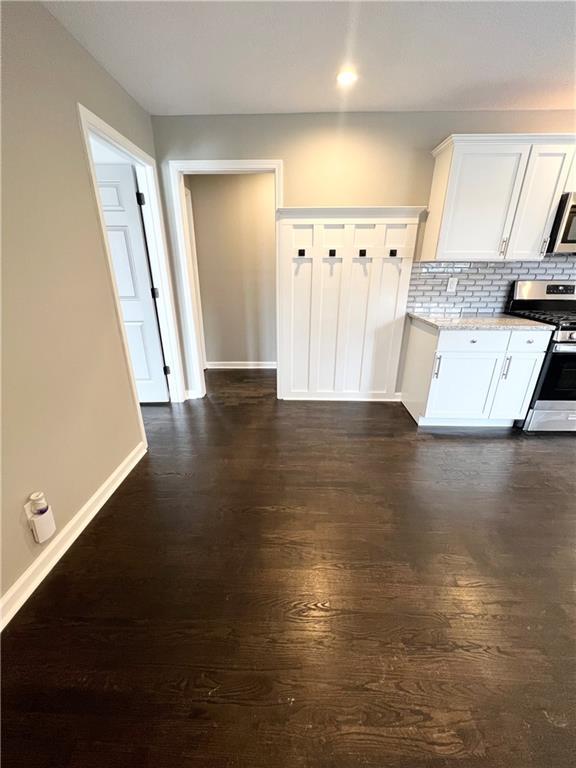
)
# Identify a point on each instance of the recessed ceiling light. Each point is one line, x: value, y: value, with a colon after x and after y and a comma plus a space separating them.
x: 346, y: 78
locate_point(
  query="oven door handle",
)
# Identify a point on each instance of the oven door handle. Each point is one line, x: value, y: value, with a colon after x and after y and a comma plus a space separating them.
x: 565, y: 348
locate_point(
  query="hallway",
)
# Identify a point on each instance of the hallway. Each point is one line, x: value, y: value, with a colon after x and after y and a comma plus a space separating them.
x: 282, y: 584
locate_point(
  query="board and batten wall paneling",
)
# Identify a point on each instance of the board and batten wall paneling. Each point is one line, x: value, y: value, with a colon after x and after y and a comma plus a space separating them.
x: 343, y: 285
x: 235, y: 232
x: 69, y: 419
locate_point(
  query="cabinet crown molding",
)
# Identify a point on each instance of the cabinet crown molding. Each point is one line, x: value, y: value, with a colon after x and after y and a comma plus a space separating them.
x: 502, y: 138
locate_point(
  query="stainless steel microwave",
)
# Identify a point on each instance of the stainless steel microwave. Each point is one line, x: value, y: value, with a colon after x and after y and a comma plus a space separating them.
x: 563, y: 232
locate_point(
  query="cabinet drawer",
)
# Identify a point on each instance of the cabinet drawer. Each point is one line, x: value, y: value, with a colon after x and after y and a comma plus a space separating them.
x: 529, y: 341
x: 468, y: 341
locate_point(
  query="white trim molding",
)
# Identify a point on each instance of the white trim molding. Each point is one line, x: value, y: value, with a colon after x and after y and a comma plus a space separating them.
x: 185, y: 257
x: 234, y: 167
x: 20, y: 591
x: 350, y: 397
x: 194, y: 263
x: 147, y: 175
x: 241, y: 365
x: 356, y: 213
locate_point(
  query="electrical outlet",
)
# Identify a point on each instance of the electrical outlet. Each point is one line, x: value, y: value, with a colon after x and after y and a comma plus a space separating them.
x: 452, y: 284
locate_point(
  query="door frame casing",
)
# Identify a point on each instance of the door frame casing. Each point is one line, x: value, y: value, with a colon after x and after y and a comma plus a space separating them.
x: 196, y: 276
x: 147, y: 176
x: 185, y: 256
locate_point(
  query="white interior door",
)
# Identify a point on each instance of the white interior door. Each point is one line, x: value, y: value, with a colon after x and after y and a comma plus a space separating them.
x: 481, y: 201
x: 117, y: 188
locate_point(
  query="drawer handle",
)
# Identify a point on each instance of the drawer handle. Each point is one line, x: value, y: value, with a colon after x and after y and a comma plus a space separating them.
x: 506, y: 370
x: 437, y: 367
x: 530, y: 341
x: 473, y: 341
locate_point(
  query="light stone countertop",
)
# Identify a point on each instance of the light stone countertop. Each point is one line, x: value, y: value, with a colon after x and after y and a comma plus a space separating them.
x: 480, y: 322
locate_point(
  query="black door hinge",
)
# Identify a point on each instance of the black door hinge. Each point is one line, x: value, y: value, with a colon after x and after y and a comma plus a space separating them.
x: 155, y: 293
x: 166, y: 370
x: 140, y: 198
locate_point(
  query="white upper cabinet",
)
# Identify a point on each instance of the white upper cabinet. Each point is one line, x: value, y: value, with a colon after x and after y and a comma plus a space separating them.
x: 544, y: 182
x: 483, y: 192
x: 494, y: 197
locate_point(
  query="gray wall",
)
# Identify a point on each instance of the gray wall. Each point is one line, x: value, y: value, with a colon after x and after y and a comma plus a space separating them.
x: 68, y: 414
x: 234, y: 224
x: 483, y: 287
x: 349, y: 159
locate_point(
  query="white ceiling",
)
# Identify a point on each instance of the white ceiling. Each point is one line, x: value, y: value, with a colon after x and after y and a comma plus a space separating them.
x: 267, y: 57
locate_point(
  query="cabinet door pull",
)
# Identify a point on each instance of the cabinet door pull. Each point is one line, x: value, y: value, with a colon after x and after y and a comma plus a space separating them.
x: 437, y: 366
x: 473, y: 341
x: 506, y: 367
x: 544, y: 244
x: 530, y: 341
x: 503, y: 246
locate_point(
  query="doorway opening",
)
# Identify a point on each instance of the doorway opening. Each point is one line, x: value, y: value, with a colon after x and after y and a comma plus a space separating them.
x: 240, y: 328
x: 127, y: 195
x: 232, y: 231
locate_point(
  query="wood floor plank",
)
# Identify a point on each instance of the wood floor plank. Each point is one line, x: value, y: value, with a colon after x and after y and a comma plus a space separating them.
x: 283, y: 584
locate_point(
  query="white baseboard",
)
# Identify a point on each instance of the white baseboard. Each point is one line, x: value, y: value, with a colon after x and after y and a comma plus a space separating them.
x: 240, y: 364
x: 350, y: 397
x: 20, y: 591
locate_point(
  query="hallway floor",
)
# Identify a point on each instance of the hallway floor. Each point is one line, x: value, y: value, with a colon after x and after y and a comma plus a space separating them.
x: 282, y: 584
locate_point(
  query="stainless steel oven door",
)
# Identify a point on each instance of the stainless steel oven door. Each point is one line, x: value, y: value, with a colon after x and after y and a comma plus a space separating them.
x: 558, y: 382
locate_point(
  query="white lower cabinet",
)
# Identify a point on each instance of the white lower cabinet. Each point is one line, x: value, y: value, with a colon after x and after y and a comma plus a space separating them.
x: 516, y: 384
x: 463, y: 378
x: 463, y: 384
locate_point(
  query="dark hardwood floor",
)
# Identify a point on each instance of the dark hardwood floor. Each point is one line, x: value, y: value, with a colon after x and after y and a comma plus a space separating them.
x: 314, y: 585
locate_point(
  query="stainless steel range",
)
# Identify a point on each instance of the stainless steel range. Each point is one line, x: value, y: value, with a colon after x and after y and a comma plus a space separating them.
x: 553, y: 406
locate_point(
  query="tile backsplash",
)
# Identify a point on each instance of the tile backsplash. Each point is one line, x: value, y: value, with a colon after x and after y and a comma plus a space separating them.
x: 483, y: 287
